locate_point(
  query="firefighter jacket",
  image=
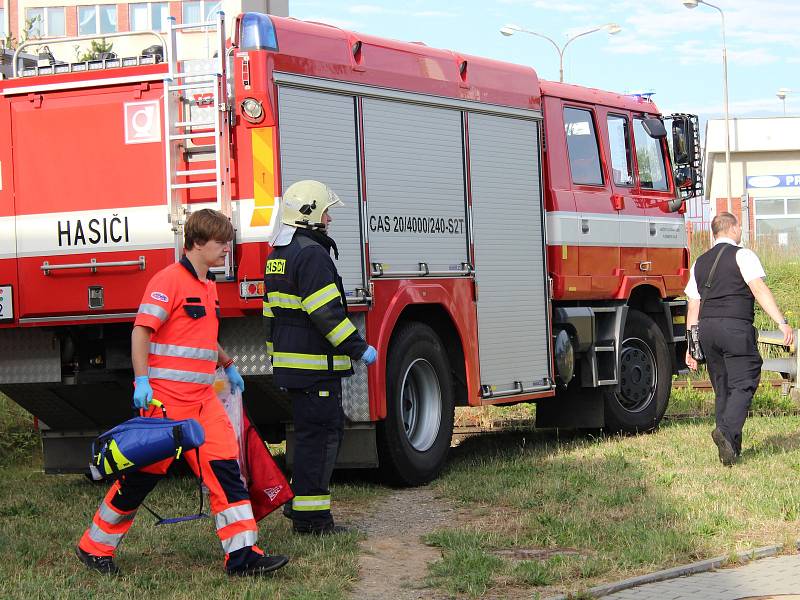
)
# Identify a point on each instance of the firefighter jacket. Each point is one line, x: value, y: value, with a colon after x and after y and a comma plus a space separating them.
x: 308, y: 334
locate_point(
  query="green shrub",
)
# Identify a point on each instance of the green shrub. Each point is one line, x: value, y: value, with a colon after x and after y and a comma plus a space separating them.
x: 18, y: 438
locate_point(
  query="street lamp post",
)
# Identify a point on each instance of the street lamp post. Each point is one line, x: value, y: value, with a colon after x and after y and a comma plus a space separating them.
x: 782, y: 93
x: 612, y: 29
x: 693, y: 4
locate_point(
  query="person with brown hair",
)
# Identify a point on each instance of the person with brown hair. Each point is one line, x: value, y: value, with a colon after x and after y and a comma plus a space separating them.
x: 175, y: 353
x: 724, y: 284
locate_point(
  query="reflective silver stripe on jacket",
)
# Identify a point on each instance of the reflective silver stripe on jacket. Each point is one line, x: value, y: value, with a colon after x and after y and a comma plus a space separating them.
x: 112, y: 517
x: 239, y: 541
x: 101, y: 537
x: 154, y: 310
x: 184, y: 376
x: 340, y: 333
x: 233, y: 515
x: 183, y: 351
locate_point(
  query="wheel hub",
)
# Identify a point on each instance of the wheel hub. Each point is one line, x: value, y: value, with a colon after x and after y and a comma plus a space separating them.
x: 638, y: 375
x: 421, y: 404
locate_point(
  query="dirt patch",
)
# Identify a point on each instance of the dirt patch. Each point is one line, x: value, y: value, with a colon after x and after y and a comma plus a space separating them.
x: 394, y: 560
x: 537, y: 553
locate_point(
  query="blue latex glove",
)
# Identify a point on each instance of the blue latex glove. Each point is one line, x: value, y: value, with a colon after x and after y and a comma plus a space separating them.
x: 237, y: 383
x: 142, y: 393
x: 369, y: 356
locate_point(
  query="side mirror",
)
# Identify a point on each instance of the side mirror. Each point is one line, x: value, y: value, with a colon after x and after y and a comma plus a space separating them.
x: 654, y: 128
x: 687, y: 165
x: 682, y: 142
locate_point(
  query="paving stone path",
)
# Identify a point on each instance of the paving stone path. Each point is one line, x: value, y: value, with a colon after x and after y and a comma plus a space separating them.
x: 762, y: 579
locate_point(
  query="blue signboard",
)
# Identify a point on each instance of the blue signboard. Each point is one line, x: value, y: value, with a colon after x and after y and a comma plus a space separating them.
x: 773, y: 181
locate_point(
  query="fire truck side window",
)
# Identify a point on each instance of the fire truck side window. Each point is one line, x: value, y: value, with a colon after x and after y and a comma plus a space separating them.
x: 584, y: 156
x: 619, y: 140
x: 650, y: 157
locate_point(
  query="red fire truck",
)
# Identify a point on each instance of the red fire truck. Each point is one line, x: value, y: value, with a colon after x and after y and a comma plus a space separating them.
x: 504, y: 239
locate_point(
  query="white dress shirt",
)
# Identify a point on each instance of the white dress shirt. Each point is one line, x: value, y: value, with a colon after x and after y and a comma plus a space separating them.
x: 749, y: 266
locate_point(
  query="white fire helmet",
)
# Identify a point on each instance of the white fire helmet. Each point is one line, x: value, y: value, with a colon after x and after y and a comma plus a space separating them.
x: 305, y: 202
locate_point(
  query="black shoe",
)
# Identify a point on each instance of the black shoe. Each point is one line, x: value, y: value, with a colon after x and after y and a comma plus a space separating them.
x: 329, y: 529
x: 101, y: 564
x: 263, y: 565
x: 727, y: 455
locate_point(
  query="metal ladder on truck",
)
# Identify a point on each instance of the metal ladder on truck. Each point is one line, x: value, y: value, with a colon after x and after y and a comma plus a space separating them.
x: 196, y: 106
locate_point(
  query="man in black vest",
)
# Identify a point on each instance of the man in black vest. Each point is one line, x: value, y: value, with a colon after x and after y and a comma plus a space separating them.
x: 311, y: 343
x: 723, y: 303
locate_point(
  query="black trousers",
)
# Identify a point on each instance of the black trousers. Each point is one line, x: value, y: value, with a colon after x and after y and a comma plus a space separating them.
x: 734, y: 365
x: 318, y: 430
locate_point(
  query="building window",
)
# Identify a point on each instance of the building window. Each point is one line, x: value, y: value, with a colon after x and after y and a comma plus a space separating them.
x: 619, y: 141
x: 770, y: 206
x: 93, y: 20
x: 144, y: 16
x: 3, y: 31
x: 584, y: 157
x: 46, y: 22
x: 650, y: 157
x: 199, y: 11
x: 778, y: 220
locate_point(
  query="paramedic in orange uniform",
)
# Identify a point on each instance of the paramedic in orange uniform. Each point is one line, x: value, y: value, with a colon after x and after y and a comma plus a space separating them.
x: 175, y: 353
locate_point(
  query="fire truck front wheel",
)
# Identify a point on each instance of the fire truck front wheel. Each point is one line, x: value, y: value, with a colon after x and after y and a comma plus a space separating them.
x: 415, y: 436
x: 645, y: 378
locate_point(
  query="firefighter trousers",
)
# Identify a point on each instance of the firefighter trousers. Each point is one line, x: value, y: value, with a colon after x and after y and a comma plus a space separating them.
x: 219, y: 470
x: 734, y: 367
x: 318, y: 430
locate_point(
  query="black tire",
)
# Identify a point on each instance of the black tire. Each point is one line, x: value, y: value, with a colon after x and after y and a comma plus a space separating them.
x: 645, y: 378
x: 414, y: 439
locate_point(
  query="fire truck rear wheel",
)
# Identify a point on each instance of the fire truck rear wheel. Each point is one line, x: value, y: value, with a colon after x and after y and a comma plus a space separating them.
x: 414, y: 439
x: 645, y: 378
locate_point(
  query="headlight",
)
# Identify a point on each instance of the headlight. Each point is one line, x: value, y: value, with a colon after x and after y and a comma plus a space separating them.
x: 252, y: 109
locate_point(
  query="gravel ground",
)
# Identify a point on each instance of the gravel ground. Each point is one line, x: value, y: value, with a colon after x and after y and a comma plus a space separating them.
x: 394, y: 560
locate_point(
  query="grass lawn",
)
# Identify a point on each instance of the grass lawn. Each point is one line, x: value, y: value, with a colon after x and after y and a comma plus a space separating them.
x: 615, y: 506
x: 42, y: 517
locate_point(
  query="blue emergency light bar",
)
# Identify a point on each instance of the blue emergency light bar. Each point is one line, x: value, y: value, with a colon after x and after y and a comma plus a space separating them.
x: 256, y: 32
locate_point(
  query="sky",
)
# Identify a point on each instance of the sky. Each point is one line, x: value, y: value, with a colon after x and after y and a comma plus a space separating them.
x: 663, y: 47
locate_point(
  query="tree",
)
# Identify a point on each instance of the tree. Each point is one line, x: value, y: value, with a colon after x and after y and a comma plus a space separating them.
x: 98, y: 50
x: 9, y: 42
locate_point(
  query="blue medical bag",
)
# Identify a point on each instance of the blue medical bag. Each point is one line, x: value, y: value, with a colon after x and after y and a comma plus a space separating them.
x: 140, y: 442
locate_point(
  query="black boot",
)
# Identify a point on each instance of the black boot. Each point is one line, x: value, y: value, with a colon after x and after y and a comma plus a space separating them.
x: 101, y: 564
x: 327, y: 529
x: 727, y: 455
x: 261, y: 566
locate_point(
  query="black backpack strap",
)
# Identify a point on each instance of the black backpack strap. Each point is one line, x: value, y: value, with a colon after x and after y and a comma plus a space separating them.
x: 710, y: 280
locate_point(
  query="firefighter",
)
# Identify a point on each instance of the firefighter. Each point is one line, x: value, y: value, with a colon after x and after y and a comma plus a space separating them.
x: 730, y: 280
x: 175, y: 353
x: 311, y: 343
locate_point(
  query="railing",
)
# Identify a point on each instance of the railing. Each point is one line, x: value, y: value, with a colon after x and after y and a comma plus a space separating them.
x: 83, y: 38
x: 93, y: 265
x: 788, y: 366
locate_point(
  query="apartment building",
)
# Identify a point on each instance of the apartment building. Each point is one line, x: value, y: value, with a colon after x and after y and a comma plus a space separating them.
x: 42, y: 21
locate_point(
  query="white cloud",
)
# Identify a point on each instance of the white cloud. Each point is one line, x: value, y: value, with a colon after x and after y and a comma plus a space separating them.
x: 341, y: 23
x: 566, y: 7
x: 433, y: 13
x: 374, y: 9
x: 367, y: 9
x: 631, y: 45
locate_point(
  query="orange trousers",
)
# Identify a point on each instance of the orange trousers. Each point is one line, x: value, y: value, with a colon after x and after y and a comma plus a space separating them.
x: 218, y: 466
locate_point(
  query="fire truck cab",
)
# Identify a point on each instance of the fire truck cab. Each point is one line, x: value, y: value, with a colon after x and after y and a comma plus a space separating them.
x: 504, y: 239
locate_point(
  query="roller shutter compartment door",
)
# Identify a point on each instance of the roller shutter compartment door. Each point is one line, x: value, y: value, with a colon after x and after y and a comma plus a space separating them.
x: 416, y: 207
x: 318, y: 141
x: 513, y: 326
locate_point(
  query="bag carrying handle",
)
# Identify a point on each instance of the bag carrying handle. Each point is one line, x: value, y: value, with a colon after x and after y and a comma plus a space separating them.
x: 157, y: 404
